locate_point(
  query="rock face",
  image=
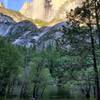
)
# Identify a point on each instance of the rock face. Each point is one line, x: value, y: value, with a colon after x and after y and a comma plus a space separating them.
x: 5, y: 19
x: 27, y: 34
x: 16, y: 30
x: 17, y: 16
x: 47, y: 10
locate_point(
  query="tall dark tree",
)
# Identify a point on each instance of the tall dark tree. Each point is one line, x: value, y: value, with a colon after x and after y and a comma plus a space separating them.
x: 86, y: 14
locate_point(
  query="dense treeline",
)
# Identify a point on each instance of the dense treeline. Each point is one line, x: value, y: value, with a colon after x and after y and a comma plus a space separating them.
x: 69, y: 71
x: 10, y: 62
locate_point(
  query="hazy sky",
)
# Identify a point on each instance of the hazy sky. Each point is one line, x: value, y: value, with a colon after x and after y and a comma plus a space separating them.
x: 13, y: 4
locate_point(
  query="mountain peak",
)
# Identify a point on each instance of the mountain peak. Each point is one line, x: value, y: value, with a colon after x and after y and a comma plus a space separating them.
x: 48, y: 10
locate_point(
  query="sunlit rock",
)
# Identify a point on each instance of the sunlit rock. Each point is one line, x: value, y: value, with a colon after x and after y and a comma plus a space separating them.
x: 48, y: 10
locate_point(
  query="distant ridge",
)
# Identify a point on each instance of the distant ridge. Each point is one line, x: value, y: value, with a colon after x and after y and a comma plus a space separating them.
x: 56, y: 15
x: 17, y: 16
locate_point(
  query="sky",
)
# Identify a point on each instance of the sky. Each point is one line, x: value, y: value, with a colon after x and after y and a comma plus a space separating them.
x: 13, y: 4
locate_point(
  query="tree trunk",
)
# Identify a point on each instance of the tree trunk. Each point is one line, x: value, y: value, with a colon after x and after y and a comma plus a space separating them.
x: 88, y: 90
x: 97, y: 21
x: 34, y: 95
x: 88, y: 95
x: 43, y: 91
x: 94, y: 91
x: 95, y: 66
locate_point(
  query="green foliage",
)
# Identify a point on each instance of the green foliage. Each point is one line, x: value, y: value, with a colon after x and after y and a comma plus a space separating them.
x: 9, y: 58
x: 9, y: 63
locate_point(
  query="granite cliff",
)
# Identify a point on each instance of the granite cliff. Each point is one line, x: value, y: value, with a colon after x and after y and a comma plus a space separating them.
x: 48, y: 10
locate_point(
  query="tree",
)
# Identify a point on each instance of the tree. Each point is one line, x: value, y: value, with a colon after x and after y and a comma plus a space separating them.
x: 85, y: 13
x: 37, y: 66
x: 9, y: 64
